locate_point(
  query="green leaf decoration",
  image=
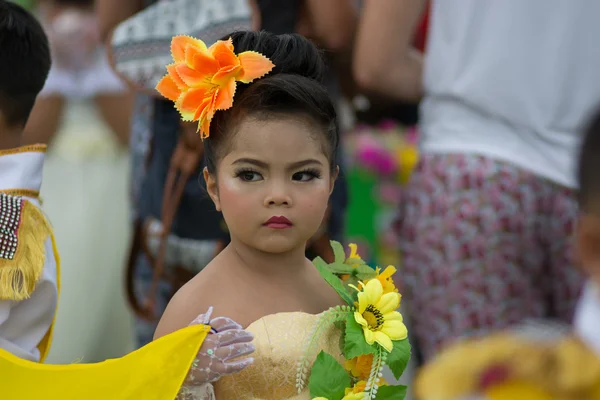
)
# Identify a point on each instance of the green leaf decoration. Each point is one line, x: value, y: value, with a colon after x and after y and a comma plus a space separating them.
x: 320, y: 263
x: 355, y: 261
x: 352, y: 280
x: 333, y: 280
x: 356, y: 345
x: 364, y: 272
x: 341, y: 268
x: 338, y: 251
x: 391, y: 392
x: 328, y: 378
x: 399, y: 357
x: 341, y: 325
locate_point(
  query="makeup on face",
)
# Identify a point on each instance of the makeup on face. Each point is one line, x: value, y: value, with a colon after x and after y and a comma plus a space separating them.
x: 274, y: 184
x: 279, y: 222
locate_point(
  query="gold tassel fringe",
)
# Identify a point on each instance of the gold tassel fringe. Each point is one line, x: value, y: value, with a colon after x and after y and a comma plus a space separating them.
x: 19, y: 276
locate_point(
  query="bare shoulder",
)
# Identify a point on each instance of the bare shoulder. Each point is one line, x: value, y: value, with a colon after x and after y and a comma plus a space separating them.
x: 193, y: 299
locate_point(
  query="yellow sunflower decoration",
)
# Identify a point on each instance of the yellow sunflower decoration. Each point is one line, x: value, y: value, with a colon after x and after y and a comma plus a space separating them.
x: 374, y: 334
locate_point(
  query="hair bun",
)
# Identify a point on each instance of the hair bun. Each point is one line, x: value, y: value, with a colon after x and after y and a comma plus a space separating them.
x: 291, y: 53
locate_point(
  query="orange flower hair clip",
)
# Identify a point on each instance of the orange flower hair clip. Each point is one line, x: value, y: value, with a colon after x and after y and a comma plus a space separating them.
x: 203, y: 79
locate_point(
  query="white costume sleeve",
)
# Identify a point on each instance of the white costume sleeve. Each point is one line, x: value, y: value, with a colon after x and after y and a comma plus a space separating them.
x: 29, y: 266
x: 24, y: 324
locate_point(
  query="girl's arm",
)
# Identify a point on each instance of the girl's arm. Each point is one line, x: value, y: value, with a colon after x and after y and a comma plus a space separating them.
x: 330, y: 23
x: 385, y: 61
x: 112, y: 12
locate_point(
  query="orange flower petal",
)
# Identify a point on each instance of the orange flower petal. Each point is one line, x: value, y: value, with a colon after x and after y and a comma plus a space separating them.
x: 172, y: 70
x: 222, y: 51
x: 224, y: 99
x: 202, y: 108
x: 207, y: 116
x: 254, y: 65
x: 228, y: 43
x: 201, y: 61
x: 185, y: 115
x: 226, y: 74
x: 192, y: 99
x: 205, y: 128
x: 178, y: 44
x: 168, y: 88
x: 193, y: 78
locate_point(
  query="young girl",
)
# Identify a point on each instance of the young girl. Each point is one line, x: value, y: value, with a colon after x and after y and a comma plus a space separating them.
x: 270, y: 169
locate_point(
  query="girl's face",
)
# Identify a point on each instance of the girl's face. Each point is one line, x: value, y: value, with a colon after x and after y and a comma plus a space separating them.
x: 274, y: 185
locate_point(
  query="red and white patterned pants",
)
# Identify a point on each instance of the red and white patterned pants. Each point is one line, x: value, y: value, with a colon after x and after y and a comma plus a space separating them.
x: 486, y: 245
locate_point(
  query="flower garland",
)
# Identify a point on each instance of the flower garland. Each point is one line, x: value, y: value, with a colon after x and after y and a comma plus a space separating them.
x: 374, y: 334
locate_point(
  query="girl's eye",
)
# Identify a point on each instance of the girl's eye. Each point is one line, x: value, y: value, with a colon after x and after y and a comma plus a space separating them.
x: 306, y: 176
x: 249, y: 176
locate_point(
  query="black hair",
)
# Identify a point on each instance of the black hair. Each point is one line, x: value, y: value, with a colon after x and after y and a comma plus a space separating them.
x: 24, y: 62
x: 589, y: 164
x: 292, y: 88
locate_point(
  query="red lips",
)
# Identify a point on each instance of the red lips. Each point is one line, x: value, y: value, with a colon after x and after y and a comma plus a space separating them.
x: 278, y: 223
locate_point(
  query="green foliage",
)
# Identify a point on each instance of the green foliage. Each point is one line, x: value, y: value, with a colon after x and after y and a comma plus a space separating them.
x: 338, y: 252
x: 355, y: 343
x: 333, y: 280
x: 328, y: 378
x: 391, y: 393
x: 398, y: 358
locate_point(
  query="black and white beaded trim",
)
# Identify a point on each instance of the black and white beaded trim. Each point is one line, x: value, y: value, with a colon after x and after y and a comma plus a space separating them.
x: 10, y: 214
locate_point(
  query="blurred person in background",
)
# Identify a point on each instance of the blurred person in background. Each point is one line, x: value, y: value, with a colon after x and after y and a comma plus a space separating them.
x: 489, y: 213
x: 80, y: 71
x: 83, y: 112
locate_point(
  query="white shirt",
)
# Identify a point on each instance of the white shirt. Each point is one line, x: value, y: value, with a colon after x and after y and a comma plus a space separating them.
x: 24, y: 324
x: 512, y: 80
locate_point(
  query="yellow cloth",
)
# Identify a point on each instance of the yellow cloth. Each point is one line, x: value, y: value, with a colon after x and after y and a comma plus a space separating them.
x: 279, y: 341
x: 154, y: 372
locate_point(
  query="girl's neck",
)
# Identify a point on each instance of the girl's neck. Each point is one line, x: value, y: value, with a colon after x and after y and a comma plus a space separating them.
x: 284, y: 265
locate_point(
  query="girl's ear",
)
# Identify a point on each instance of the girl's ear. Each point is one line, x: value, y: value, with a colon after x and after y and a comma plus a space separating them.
x: 211, y: 188
x: 334, y: 176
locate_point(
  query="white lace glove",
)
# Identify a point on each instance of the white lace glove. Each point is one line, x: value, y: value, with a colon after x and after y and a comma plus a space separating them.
x: 221, y: 351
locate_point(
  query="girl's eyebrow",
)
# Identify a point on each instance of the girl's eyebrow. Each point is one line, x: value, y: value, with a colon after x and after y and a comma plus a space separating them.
x: 252, y: 161
x: 263, y: 164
